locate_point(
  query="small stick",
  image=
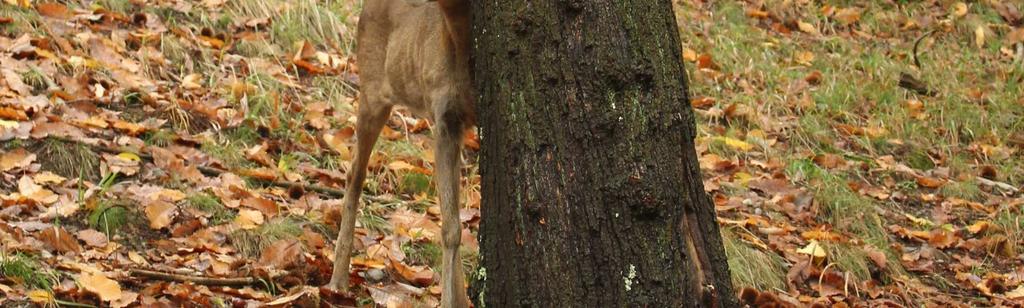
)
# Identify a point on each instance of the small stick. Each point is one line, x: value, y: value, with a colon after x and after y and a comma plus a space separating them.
x: 206, y: 281
x: 917, y: 43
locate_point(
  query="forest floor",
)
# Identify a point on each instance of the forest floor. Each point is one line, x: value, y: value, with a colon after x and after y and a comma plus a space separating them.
x: 858, y: 152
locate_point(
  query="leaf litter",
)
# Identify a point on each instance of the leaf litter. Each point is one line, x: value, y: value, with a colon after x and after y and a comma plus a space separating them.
x: 144, y: 99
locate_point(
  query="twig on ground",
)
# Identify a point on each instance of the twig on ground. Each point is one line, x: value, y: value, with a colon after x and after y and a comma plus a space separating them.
x: 200, y: 280
x: 917, y: 43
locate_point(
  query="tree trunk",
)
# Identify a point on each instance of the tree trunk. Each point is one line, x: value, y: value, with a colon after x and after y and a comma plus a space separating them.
x: 592, y: 193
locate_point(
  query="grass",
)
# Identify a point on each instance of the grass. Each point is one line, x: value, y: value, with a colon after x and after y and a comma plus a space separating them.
x: 109, y: 217
x: 24, y: 20
x: 251, y: 243
x: 211, y: 205
x: 422, y: 253
x: 229, y: 146
x: 1012, y: 223
x: 967, y: 190
x: 26, y: 270
x: 68, y: 159
x: 321, y: 23
x: 751, y: 267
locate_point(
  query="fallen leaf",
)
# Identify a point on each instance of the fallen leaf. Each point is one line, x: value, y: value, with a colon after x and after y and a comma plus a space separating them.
x: 959, y: 9
x: 1016, y: 293
x: 847, y: 16
x: 60, y: 240
x: 807, y: 28
x: 42, y: 297
x: 829, y: 160
x: 281, y: 254
x: 734, y: 143
x: 930, y: 182
x: 32, y: 191
x: 18, y: 158
x: 979, y: 36
x: 813, y: 249
x: 160, y: 214
x: 107, y: 289
x: 249, y: 219
x: 93, y: 238
x: 52, y: 10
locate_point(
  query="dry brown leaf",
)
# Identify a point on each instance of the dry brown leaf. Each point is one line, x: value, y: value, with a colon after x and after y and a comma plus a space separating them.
x: 93, y: 238
x: 829, y: 161
x: 60, y: 240
x: 417, y: 275
x: 160, y: 214
x: 18, y: 158
x: 847, y: 16
x: 940, y: 238
x: 959, y: 9
x: 53, y: 10
x: 32, y: 191
x: 930, y: 182
x: 249, y: 219
x: 281, y: 254
x: 268, y: 207
x: 106, y: 288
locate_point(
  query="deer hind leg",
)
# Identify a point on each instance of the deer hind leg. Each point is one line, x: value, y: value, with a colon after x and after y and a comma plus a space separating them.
x: 448, y: 135
x: 373, y: 113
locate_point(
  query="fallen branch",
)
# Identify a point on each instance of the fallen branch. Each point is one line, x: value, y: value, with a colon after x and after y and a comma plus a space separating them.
x: 200, y: 280
x: 1000, y: 185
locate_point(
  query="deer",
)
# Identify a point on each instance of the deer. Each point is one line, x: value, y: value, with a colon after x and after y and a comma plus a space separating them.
x: 413, y: 53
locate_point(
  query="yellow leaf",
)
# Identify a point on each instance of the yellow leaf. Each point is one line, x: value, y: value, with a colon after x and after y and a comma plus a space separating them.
x: 807, y: 28
x: 8, y: 124
x: 40, y: 296
x: 399, y: 165
x: 959, y: 9
x: 129, y: 156
x: 813, y: 249
x: 804, y: 57
x: 192, y: 82
x: 98, y: 284
x: 742, y: 178
x: 734, y: 143
x: 919, y: 221
x: 979, y: 36
x: 1016, y: 293
x: 249, y: 219
x: 978, y: 227
x: 847, y: 16
x: 95, y: 121
x: 689, y: 55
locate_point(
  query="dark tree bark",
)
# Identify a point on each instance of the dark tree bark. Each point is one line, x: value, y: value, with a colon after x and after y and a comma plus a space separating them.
x: 592, y: 193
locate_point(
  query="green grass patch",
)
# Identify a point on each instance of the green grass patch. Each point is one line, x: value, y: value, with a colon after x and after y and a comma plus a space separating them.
x: 423, y: 253
x: 24, y: 20
x: 318, y: 22
x: 211, y: 205
x: 230, y: 144
x: 26, y: 270
x: 967, y: 190
x: 751, y: 267
x: 251, y: 243
x: 413, y: 183
x: 68, y: 159
x: 109, y: 217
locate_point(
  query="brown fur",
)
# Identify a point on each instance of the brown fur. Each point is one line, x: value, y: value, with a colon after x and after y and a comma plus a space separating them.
x: 414, y: 55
